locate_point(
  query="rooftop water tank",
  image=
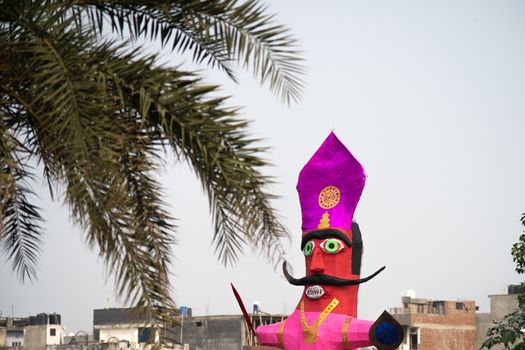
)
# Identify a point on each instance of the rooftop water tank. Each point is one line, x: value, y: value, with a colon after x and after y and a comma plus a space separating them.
x: 409, y: 293
x: 54, y: 319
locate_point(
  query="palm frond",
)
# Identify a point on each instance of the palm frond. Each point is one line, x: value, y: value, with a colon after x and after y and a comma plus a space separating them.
x: 221, y: 32
x: 256, y: 40
x: 211, y: 138
x: 20, y: 230
x: 80, y: 128
x: 97, y: 116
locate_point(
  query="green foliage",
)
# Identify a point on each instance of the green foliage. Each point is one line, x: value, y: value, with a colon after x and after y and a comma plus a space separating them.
x: 97, y: 115
x: 518, y: 255
x: 510, y: 331
x: 507, y: 332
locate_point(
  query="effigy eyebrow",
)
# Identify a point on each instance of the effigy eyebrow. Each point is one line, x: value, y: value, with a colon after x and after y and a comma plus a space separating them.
x: 318, y: 234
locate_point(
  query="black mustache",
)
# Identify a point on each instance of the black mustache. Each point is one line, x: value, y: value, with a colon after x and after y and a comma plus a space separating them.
x: 326, y: 279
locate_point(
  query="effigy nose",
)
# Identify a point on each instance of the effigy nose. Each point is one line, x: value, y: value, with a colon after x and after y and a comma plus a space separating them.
x: 317, y: 262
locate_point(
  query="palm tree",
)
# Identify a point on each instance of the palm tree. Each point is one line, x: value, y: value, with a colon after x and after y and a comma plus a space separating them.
x: 84, y: 108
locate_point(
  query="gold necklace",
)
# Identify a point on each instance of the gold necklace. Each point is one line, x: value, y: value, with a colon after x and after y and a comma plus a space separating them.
x: 310, y: 332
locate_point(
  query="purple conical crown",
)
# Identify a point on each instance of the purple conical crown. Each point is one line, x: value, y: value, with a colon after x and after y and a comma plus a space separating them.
x: 330, y: 186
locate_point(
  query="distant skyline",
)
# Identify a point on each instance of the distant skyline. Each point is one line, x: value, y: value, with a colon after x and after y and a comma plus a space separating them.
x: 428, y: 96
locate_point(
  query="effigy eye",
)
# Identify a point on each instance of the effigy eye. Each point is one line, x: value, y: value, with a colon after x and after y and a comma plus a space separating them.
x: 308, y: 248
x: 332, y: 246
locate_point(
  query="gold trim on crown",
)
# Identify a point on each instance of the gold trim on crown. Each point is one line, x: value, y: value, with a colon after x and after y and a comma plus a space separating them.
x: 324, y: 222
x: 329, y: 197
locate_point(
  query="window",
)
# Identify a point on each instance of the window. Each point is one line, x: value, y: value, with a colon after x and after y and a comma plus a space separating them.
x: 52, y: 332
x: 460, y: 306
x: 145, y: 335
x: 439, y: 307
x: 414, y: 339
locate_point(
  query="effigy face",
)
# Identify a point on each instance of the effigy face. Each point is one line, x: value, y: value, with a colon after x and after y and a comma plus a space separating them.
x: 329, y: 188
x: 329, y: 255
x: 329, y: 261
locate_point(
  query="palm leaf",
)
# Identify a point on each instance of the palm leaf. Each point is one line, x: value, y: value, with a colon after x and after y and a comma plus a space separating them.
x: 220, y: 32
x: 97, y: 117
x: 211, y: 138
x: 20, y: 231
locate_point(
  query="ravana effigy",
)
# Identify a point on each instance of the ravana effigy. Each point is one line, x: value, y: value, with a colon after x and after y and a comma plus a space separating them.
x: 329, y: 187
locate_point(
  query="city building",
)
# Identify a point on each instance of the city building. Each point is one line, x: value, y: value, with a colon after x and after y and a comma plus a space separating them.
x: 33, y: 332
x: 43, y: 330
x: 500, y: 305
x: 133, y: 327
x: 436, y: 324
x: 12, y: 331
x: 221, y: 332
x: 80, y: 338
x: 428, y: 324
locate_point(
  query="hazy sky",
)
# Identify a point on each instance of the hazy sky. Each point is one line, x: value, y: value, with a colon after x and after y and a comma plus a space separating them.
x: 428, y: 95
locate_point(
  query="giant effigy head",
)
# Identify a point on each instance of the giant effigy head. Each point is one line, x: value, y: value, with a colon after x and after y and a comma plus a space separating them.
x: 329, y: 187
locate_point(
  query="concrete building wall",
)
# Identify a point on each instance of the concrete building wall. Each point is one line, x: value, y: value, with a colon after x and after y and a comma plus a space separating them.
x: 132, y: 325
x: 35, y: 337
x: 214, y: 333
x: 483, y: 322
x: 54, y: 334
x: 455, y: 314
x: 39, y: 336
x: 500, y: 305
x: 109, y: 334
x: 3, y: 336
x: 14, y: 337
x: 121, y: 316
x: 12, y: 330
x: 443, y: 325
x: 100, y: 346
x: 448, y: 338
x: 455, y: 329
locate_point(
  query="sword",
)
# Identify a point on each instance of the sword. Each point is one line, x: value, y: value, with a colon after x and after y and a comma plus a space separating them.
x: 244, y: 312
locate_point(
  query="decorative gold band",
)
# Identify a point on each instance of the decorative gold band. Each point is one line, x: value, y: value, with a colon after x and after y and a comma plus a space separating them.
x: 344, y: 332
x: 326, y: 311
x: 310, y: 332
x: 280, y: 335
